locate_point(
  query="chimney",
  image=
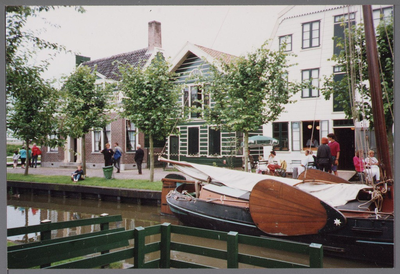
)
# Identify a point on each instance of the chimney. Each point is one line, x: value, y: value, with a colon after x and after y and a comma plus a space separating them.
x: 154, y: 36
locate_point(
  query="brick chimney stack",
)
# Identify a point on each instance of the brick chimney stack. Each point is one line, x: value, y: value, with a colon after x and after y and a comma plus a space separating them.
x: 154, y: 36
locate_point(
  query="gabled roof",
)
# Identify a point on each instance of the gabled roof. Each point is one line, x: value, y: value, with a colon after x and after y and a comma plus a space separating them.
x: 108, y: 67
x: 218, y: 55
x: 205, y: 53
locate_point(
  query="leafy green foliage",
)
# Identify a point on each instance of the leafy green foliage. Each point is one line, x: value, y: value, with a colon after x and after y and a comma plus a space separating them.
x: 150, y: 97
x: 353, y: 62
x: 85, y: 104
x: 32, y: 103
x: 150, y: 100
x: 250, y: 91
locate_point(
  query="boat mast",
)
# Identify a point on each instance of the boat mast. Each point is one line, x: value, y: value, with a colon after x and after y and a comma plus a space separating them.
x: 376, y: 93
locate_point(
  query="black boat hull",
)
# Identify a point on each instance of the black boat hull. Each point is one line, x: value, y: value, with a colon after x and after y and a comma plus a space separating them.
x: 361, y: 239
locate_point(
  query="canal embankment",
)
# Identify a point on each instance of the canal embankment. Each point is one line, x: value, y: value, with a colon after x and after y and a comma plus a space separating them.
x: 80, y: 191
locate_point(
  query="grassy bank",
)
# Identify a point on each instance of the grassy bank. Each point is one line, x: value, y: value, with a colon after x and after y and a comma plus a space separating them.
x: 91, y: 181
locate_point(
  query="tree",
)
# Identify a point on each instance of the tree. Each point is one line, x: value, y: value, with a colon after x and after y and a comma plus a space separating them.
x: 31, y: 101
x: 31, y: 108
x: 353, y: 62
x: 250, y: 91
x: 150, y: 100
x: 85, y: 106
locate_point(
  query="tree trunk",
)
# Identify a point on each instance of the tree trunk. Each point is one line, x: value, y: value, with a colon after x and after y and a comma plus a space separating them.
x: 246, y: 151
x: 151, y: 158
x: 27, y: 157
x: 83, y: 147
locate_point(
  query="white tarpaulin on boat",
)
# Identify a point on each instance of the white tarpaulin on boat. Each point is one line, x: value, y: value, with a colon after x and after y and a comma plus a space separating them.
x: 332, y: 194
x: 229, y: 177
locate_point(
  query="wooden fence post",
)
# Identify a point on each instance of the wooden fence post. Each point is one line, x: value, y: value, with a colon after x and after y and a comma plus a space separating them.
x: 316, y: 255
x: 233, y: 250
x: 104, y: 226
x: 165, y: 246
x: 139, y: 236
x: 45, y: 235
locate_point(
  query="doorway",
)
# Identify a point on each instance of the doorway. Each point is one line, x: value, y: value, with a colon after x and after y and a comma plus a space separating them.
x: 345, y: 137
x: 174, y: 148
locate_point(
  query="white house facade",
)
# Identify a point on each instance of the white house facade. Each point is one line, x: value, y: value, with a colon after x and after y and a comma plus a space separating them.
x: 308, y: 32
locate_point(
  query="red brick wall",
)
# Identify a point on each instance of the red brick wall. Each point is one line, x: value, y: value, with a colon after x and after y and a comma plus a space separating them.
x: 96, y: 159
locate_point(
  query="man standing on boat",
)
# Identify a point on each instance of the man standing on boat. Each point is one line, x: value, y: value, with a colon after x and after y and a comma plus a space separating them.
x: 335, y: 152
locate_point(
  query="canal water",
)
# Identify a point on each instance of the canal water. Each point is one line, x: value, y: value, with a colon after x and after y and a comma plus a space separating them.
x: 31, y: 209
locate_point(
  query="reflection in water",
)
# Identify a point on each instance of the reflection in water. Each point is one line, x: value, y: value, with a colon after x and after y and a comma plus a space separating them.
x: 30, y: 210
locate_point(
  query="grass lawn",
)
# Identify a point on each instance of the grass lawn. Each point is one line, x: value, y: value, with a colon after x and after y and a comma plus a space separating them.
x: 91, y: 181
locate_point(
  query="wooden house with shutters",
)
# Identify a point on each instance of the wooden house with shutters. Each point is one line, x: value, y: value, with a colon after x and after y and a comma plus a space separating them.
x: 198, y: 142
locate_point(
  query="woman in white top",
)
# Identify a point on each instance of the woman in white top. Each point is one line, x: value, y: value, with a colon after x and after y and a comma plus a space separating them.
x: 304, y: 162
x: 371, y: 165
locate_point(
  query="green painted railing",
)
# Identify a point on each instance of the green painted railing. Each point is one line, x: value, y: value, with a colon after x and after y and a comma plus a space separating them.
x: 110, y: 246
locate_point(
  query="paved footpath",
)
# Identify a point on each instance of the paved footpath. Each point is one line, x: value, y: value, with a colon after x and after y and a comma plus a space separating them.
x: 159, y: 173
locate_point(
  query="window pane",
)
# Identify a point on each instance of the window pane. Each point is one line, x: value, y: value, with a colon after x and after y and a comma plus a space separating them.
x: 295, y: 136
x: 97, y: 140
x: 306, y: 27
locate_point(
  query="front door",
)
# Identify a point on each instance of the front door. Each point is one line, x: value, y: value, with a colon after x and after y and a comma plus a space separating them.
x: 174, y: 148
x: 73, y: 148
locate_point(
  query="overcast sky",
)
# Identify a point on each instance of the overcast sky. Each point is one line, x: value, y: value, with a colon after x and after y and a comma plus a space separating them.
x: 103, y: 31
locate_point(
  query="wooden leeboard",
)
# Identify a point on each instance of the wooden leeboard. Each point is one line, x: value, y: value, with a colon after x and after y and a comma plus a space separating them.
x: 319, y: 175
x: 280, y: 209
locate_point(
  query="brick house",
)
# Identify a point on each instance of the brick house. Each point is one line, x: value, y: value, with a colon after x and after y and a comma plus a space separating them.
x: 120, y: 130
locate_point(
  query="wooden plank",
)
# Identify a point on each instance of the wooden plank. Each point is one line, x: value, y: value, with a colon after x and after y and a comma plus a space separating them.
x: 274, y: 243
x: 280, y: 209
x: 41, y: 255
x: 64, y: 239
x: 199, y: 232
x: 316, y: 175
x: 267, y: 262
x: 198, y: 250
x: 183, y: 264
x: 61, y: 225
x: 97, y: 261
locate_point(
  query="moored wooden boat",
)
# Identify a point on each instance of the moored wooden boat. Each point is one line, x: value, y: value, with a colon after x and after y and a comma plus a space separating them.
x: 348, y: 228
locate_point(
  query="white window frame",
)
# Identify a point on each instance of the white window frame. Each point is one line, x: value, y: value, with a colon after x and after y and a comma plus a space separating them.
x: 134, y: 131
x: 311, y: 31
x: 103, y: 132
x: 296, y: 136
x: 189, y: 102
x: 289, y: 42
x: 311, y: 92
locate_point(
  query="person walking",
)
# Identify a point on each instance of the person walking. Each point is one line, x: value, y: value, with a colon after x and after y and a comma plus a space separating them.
x: 108, y: 153
x: 139, y: 158
x: 117, y: 157
x: 23, y: 152
x: 35, y: 153
x: 324, y: 156
x: 335, y: 152
x: 16, y: 157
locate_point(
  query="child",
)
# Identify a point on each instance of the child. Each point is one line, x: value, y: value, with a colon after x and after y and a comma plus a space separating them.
x: 15, y: 159
x: 77, y: 175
